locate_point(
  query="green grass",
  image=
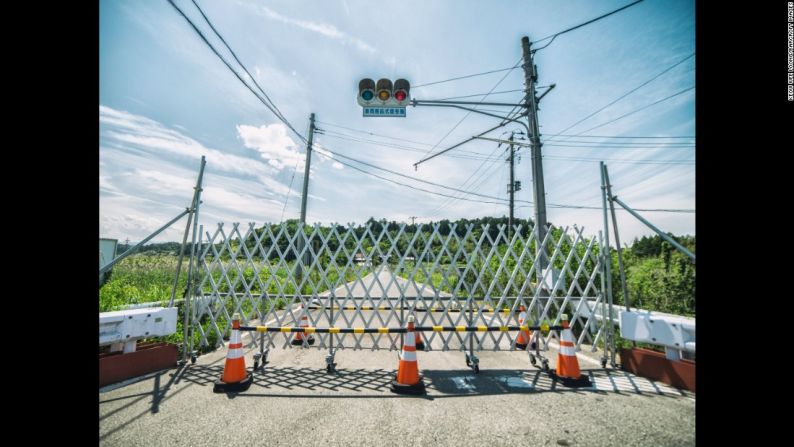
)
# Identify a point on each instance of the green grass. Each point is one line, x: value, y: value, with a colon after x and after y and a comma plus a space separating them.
x: 146, y: 278
x: 141, y: 279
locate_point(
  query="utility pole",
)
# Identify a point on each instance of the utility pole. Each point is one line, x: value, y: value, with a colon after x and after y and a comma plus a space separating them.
x: 511, y: 188
x: 413, y: 220
x: 539, y: 192
x: 305, y: 196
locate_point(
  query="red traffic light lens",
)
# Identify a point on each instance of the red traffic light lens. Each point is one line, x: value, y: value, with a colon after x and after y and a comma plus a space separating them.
x: 400, y: 95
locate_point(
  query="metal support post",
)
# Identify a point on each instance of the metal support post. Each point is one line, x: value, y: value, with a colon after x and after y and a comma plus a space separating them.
x: 132, y: 249
x: 607, y: 264
x: 617, y: 241
x: 658, y: 231
x: 189, y: 308
x: 330, y: 366
x: 193, y: 207
x: 189, y: 289
x: 511, y: 188
x: 604, y: 321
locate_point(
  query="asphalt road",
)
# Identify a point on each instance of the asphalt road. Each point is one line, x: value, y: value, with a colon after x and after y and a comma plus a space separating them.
x: 294, y: 401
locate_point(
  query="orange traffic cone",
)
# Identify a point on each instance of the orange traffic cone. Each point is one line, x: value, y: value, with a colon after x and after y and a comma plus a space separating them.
x: 523, y: 335
x: 298, y: 340
x: 408, y: 380
x: 420, y: 345
x: 567, y: 365
x: 235, y: 377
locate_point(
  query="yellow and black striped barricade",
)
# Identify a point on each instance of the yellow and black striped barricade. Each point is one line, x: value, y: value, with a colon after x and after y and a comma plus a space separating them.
x: 545, y: 328
x: 436, y: 309
x: 396, y: 330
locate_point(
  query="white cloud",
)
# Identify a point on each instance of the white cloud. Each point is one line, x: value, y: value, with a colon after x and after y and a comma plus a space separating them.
x: 145, y: 180
x: 324, y: 29
x: 152, y: 136
x: 272, y: 143
x: 338, y: 165
x: 160, y: 182
x: 104, y: 183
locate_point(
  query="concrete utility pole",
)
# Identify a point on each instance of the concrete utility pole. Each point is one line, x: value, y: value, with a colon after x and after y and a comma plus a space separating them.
x: 305, y: 196
x: 539, y: 192
x: 306, y: 169
x: 511, y: 188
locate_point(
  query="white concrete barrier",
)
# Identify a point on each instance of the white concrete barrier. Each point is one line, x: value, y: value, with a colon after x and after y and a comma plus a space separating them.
x: 674, y: 332
x: 122, y: 329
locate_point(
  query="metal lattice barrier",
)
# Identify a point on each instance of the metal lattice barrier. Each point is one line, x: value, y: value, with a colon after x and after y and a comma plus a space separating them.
x: 377, y: 275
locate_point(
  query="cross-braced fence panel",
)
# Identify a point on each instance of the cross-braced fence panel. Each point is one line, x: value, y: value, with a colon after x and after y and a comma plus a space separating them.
x: 377, y: 275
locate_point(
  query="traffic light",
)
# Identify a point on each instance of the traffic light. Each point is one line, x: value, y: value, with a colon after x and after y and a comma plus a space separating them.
x: 402, y: 89
x: 366, y: 92
x: 384, y: 90
x: 384, y: 93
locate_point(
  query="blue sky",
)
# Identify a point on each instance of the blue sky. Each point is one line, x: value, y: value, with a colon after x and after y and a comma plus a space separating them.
x: 166, y: 100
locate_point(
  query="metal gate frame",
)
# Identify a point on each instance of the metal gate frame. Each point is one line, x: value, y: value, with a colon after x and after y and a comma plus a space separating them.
x: 496, y: 274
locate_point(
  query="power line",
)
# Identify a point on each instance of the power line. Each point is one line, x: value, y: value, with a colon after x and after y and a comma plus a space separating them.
x: 344, y: 136
x: 206, y: 19
x: 473, y: 183
x: 482, y: 94
x: 619, y: 146
x: 289, y: 191
x: 464, y: 154
x: 372, y: 133
x: 468, y: 155
x: 267, y: 102
x: 655, y: 210
x: 499, y: 186
x: 409, y: 186
x: 447, y: 203
x: 333, y: 154
x: 554, y: 36
x: 337, y: 154
x: 462, y: 77
x: 469, y: 112
x: 619, y: 160
x: 236, y: 74
x: 641, y: 108
x: 630, y: 91
x: 613, y: 136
